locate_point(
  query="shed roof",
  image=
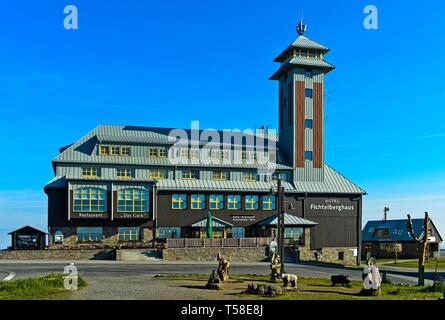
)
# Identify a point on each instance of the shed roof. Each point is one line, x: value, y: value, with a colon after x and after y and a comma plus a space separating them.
x: 27, y: 228
x: 396, y: 228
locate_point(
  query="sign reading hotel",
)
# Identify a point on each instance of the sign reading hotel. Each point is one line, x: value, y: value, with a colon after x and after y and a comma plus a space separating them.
x: 331, y: 206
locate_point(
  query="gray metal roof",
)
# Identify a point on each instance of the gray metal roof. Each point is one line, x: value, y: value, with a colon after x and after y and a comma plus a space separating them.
x: 302, y: 61
x: 333, y: 182
x: 289, y: 220
x: 306, y: 43
x: 82, y: 150
x: 216, y: 222
x: 210, y: 185
x: 302, y: 42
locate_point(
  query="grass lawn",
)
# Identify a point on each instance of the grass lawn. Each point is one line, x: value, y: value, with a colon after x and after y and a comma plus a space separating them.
x: 309, y: 289
x: 40, y: 288
x: 413, y: 263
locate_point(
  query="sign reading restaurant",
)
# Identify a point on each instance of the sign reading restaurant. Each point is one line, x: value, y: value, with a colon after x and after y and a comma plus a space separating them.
x: 89, y: 215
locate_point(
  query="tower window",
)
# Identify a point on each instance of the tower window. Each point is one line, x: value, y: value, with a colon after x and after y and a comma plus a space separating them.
x: 308, y: 124
x: 308, y: 155
x: 308, y: 93
x: 308, y: 73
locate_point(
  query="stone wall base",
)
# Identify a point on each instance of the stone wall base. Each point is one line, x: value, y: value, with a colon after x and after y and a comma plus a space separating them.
x: 209, y: 254
x: 76, y: 254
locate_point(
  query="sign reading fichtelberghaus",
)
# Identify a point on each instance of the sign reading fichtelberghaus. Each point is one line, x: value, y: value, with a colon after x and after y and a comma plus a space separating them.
x: 330, y: 206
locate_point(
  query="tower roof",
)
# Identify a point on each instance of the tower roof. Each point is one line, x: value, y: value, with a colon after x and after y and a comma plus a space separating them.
x: 303, y: 52
x: 302, y: 42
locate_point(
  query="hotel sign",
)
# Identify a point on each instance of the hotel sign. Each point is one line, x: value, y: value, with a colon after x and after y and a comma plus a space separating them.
x: 330, y: 205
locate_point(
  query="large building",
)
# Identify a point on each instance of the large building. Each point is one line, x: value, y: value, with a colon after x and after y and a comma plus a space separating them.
x: 121, y: 186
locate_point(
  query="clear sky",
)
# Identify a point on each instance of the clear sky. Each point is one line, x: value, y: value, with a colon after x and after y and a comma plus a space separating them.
x: 159, y: 63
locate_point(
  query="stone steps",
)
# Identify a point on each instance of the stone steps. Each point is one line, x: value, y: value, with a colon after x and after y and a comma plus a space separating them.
x: 138, y: 255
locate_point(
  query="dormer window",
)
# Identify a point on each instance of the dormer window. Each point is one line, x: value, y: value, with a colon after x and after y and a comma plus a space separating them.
x: 90, y: 172
x: 104, y: 150
x: 157, y: 152
x: 114, y: 151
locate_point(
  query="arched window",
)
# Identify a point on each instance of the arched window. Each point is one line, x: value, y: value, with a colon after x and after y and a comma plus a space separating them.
x: 132, y: 200
x: 90, y: 200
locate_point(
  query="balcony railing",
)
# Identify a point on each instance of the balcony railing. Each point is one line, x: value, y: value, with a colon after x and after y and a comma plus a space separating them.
x: 223, y: 242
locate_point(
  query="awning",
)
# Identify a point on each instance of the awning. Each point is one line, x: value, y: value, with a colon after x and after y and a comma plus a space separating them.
x: 289, y: 220
x: 216, y: 223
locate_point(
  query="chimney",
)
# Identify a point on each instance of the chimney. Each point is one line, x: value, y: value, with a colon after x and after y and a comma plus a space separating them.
x: 385, y: 213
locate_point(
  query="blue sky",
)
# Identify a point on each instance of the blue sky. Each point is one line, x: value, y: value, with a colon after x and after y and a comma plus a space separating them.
x: 165, y: 64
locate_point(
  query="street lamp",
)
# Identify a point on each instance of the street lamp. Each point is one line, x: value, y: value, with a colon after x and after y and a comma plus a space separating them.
x: 279, y: 193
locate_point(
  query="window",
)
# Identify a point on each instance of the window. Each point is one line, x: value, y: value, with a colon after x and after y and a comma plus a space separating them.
x: 219, y: 175
x: 184, y: 153
x: 164, y: 233
x: 132, y: 200
x: 155, y: 152
x: 233, y: 202
x: 89, y: 200
x: 280, y: 175
x: 381, y: 232
x: 248, y: 156
x: 124, y: 173
x: 216, y: 202
x: 179, y: 201
x: 293, y: 233
x: 129, y: 234
x: 194, y: 153
x: 308, y: 155
x: 197, y: 202
x: 104, y: 150
x: 115, y: 151
x: 89, y: 234
x: 238, y: 232
x: 268, y: 202
x: 308, y: 93
x: 308, y: 124
x: 157, y: 174
x: 89, y: 172
x: 341, y: 255
x: 125, y: 151
x: 251, y: 202
x: 162, y: 153
x: 308, y: 73
x: 189, y: 174
x: 249, y: 176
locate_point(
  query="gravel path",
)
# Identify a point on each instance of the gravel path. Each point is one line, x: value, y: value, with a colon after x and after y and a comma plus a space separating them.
x: 146, y: 287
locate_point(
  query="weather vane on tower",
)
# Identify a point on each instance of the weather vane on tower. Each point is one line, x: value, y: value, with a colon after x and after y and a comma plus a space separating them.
x: 301, y: 28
